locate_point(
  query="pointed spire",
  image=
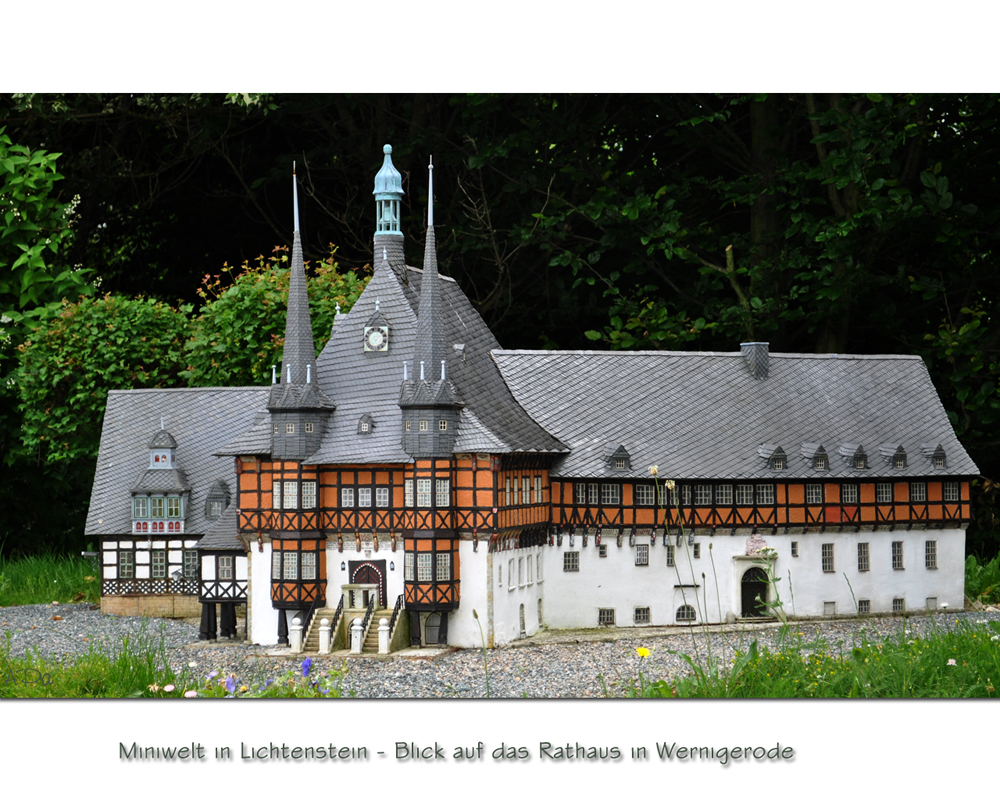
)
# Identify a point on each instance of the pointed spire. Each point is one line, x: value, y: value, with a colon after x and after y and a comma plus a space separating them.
x: 299, y: 356
x: 430, y: 344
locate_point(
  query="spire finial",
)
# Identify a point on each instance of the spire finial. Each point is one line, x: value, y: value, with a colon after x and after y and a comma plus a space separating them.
x: 295, y: 197
x: 430, y: 193
x: 385, y: 254
x: 377, y: 303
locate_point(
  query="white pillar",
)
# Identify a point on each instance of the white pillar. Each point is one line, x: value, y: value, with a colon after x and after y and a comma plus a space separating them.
x: 324, y: 636
x: 357, y: 629
x: 295, y: 634
x: 383, y: 636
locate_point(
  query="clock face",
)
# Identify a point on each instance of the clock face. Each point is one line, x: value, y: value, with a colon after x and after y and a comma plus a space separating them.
x: 376, y: 339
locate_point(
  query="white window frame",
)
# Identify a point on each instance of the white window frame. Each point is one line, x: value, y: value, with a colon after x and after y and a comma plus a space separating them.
x: 686, y: 495
x: 538, y: 489
x: 765, y: 494
x: 539, y: 576
x: 703, y: 494
x: 290, y: 565
x: 425, y: 564
x: 289, y: 427
x: 897, y: 555
x: 347, y: 497
x: 308, y: 494
x: 883, y: 492
x: 848, y: 494
x: 442, y: 567
x: 140, y: 507
x: 864, y: 557
x: 225, y: 568
x: 951, y: 492
x: 290, y: 495
x: 423, y: 492
x: 918, y: 492
x: 276, y: 494
x: 156, y: 507
x: 642, y: 555
x: 593, y: 494
x: 744, y: 494
x: 644, y: 494
x: 814, y: 494
x: 580, y: 494
x: 520, y: 572
x: 724, y: 494
x: 126, y: 564
x: 530, y: 570
x: 381, y: 497
x: 442, y: 490
x: 930, y: 554
x: 611, y: 494
x: 408, y: 492
x: 408, y: 566
x: 442, y: 424
x: 671, y: 556
x: 525, y: 490
x: 571, y: 561
x: 511, y: 583
x: 423, y: 425
x: 827, y: 557
x: 364, y: 497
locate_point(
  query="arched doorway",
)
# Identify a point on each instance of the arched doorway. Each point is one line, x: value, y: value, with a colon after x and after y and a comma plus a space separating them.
x: 432, y: 628
x: 370, y: 572
x: 754, y: 593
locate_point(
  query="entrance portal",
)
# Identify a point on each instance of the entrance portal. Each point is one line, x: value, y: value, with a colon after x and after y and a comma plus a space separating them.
x: 369, y: 572
x: 754, y: 593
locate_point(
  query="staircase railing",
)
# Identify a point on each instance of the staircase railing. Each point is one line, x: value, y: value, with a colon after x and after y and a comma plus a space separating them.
x: 395, y: 616
x: 369, y: 616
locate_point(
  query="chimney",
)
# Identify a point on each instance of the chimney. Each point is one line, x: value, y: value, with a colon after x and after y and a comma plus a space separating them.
x: 755, y: 354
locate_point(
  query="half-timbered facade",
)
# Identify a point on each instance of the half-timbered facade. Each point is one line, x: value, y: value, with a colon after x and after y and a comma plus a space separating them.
x: 416, y: 469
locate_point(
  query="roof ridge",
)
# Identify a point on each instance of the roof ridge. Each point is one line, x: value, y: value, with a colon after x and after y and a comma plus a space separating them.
x: 726, y: 353
x: 191, y: 389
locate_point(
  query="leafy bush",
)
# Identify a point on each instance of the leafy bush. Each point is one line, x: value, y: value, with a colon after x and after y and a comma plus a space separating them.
x: 982, y: 581
x: 71, y: 362
x: 240, y: 332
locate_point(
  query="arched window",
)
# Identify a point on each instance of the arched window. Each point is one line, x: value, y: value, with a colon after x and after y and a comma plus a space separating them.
x: 686, y: 614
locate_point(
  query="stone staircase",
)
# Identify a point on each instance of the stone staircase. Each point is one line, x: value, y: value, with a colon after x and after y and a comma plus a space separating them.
x: 371, y: 640
x: 311, y: 644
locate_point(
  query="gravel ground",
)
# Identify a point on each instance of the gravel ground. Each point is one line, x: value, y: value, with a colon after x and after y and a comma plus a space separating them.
x: 543, y: 667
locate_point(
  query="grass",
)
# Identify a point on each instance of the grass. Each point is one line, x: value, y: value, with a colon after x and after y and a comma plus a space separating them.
x: 46, y: 578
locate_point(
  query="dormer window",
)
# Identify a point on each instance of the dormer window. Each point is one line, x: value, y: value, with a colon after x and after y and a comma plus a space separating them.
x: 217, y: 500
x: 821, y: 462
x: 289, y: 427
x: 939, y: 461
x: 777, y: 462
x: 860, y: 462
x: 424, y: 425
x: 442, y: 424
x: 616, y: 456
x: 621, y: 463
x: 365, y: 427
x: 899, y: 461
x: 310, y: 427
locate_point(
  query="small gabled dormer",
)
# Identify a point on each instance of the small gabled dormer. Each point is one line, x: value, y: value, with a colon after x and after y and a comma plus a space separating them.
x: 217, y: 500
x: 854, y: 455
x: 366, y: 424
x: 774, y: 454
x: 934, y: 452
x: 816, y: 455
x: 617, y: 457
x: 894, y: 455
x: 162, y: 451
x: 159, y: 497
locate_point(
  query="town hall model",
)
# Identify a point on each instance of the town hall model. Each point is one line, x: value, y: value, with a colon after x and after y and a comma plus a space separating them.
x: 415, y: 472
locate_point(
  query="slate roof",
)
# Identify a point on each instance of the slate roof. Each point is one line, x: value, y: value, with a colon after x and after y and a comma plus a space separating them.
x: 198, y: 419
x: 704, y: 416
x: 221, y: 534
x: 162, y: 480
x: 361, y: 383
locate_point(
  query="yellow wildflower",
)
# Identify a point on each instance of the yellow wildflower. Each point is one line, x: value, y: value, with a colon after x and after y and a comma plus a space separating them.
x: 642, y: 652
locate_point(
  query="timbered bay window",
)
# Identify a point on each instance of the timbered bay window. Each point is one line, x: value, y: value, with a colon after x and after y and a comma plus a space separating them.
x: 430, y: 574
x: 423, y: 493
x: 381, y: 497
x: 225, y: 568
x: 408, y: 492
x: 298, y: 572
x: 285, y: 495
x: 443, y: 492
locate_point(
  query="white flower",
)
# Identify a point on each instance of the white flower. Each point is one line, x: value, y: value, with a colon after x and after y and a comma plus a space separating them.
x: 671, y: 485
x: 952, y: 663
x: 654, y: 470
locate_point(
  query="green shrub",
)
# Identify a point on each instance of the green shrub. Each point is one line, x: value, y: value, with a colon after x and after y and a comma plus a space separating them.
x: 982, y: 581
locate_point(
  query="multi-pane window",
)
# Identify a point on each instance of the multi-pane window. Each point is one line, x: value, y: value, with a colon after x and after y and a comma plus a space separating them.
x: 310, y: 427
x: 863, y: 560
x: 686, y: 494
x: 611, y: 494
x: 918, y: 492
x: 289, y: 427
x: 276, y: 494
x: 696, y: 550
x: 670, y: 555
x: 516, y: 487
x: 506, y: 492
x: 848, y: 493
x: 443, y: 492
x: 641, y: 616
x: 423, y: 493
x: 665, y: 500
x: 860, y: 462
x: 291, y: 562
x: 685, y: 614
x: 126, y: 564
x: 364, y: 498
x: 821, y: 462
x: 308, y: 566
x: 778, y: 462
x: 898, y: 605
x: 538, y: 488
x: 898, y: 461
x: 827, y: 555
x: 424, y: 425
x: 606, y: 616
x: 408, y: 492
x: 703, y: 494
x: 621, y: 463
x: 291, y: 494
x: 643, y: 494
x: 443, y: 567
x: 156, y: 507
x: 642, y: 555
x: 930, y: 554
x: 442, y: 424
x: 939, y: 461
x: 406, y: 425
x: 525, y: 490
x: 897, y: 555
x: 795, y: 549
x: 408, y: 566
x: 765, y: 494
x: 225, y: 568
x: 347, y: 498
x: 571, y: 561
x: 309, y: 494
x: 214, y: 509
x: 951, y: 494
x: 276, y: 565
x: 883, y: 492
x: 580, y: 493
x: 424, y: 567
x: 602, y: 551
x: 140, y: 507
x: 159, y: 562
x: 190, y: 563
x: 864, y: 606
x: 814, y: 494
x: 724, y: 494
x: 744, y: 494
x: 381, y: 497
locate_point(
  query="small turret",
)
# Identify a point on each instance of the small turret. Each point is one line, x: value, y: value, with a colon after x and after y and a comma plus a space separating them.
x: 388, y: 198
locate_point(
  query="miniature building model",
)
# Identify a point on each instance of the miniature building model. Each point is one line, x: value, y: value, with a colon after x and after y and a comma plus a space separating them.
x: 416, y: 472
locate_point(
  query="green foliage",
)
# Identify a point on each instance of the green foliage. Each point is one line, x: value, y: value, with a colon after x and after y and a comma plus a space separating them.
x: 71, y: 362
x: 964, y: 662
x: 127, y: 670
x: 303, y: 681
x: 240, y: 332
x: 47, y: 578
x: 982, y: 580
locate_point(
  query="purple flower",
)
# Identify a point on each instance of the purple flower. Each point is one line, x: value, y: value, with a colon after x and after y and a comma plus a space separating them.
x: 212, y: 674
x: 231, y: 684
x: 306, y: 666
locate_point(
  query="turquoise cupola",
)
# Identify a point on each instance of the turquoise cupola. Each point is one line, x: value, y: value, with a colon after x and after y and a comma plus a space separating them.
x: 388, y: 194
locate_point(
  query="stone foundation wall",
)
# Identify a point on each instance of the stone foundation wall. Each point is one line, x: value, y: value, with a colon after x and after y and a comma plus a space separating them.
x: 153, y: 605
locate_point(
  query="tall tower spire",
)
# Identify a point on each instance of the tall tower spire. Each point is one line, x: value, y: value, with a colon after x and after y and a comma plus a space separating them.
x: 299, y: 356
x: 430, y: 343
x: 388, y: 197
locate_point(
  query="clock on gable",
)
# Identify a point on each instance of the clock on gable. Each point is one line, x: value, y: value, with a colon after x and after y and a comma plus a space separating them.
x: 376, y: 338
